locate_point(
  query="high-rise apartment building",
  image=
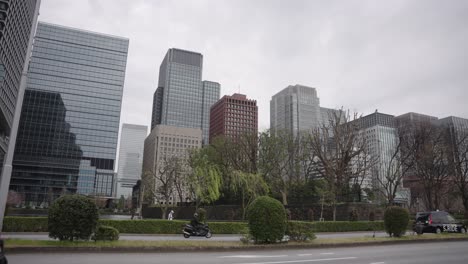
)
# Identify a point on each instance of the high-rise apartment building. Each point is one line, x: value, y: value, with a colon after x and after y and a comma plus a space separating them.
x: 132, y: 141
x: 182, y: 99
x: 233, y: 116
x: 163, y: 143
x: 69, y: 126
x: 297, y: 109
x: 18, y: 20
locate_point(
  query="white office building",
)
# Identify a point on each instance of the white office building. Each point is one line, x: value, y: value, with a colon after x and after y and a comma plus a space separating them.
x: 132, y: 141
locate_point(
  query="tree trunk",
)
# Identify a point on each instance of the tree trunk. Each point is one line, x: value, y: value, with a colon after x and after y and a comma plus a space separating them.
x: 284, y: 196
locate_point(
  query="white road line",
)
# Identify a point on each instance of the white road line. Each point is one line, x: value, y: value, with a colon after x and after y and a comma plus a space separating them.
x: 303, y: 255
x: 300, y: 261
x: 378, y: 263
x: 327, y: 253
x: 254, y: 256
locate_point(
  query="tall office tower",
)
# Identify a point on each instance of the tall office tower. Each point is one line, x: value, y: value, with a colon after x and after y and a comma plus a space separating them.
x: 157, y: 107
x: 380, y: 134
x: 182, y: 99
x: 180, y: 77
x: 18, y: 20
x: 132, y: 141
x: 233, y: 116
x: 297, y: 109
x: 163, y: 144
x: 210, y: 94
x: 75, y: 85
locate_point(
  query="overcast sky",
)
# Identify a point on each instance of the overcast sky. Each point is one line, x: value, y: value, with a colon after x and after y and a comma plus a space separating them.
x: 394, y: 56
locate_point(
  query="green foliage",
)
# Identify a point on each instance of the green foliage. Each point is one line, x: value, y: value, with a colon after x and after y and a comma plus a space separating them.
x: 353, y: 215
x: 106, y: 233
x: 300, y: 231
x: 267, y: 220
x: 249, y: 186
x: 201, y: 215
x: 205, y: 179
x: 25, y: 224
x: 72, y: 217
x: 396, y: 221
x: 158, y: 226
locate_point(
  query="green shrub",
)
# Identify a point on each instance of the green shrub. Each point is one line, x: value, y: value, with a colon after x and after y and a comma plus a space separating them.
x: 201, y: 215
x: 353, y: 215
x: 72, y: 217
x: 396, y: 221
x: 25, y: 224
x: 267, y: 220
x: 106, y: 233
x: 300, y: 231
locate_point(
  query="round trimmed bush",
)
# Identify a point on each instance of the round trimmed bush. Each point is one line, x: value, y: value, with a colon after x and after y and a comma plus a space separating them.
x: 72, y: 217
x: 106, y: 233
x: 267, y: 220
x: 396, y: 221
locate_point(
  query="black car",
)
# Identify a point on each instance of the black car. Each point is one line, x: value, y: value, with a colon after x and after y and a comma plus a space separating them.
x: 437, y: 222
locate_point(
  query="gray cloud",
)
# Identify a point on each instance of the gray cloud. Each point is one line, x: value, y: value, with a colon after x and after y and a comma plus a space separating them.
x: 395, y: 56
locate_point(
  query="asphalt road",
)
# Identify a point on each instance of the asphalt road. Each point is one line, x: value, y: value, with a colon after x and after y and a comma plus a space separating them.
x: 424, y: 253
x: 221, y: 237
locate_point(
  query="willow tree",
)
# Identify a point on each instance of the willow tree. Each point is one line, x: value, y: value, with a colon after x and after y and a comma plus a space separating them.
x: 249, y: 186
x: 204, y: 181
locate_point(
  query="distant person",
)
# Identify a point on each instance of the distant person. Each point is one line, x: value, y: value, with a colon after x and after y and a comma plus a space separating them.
x: 171, y: 215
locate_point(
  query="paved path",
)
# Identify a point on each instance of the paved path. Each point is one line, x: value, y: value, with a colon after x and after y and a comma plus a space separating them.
x: 220, y: 237
x: 424, y: 253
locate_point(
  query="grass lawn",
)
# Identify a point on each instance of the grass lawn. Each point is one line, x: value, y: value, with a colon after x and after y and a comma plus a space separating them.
x: 207, y: 244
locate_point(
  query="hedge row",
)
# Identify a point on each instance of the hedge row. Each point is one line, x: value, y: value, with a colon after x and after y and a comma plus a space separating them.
x: 157, y: 226
x: 154, y: 226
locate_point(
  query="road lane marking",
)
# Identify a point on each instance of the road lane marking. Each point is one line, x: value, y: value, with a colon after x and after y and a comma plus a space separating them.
x: 299, y: 261
x: 327, y: 253
x: 378, y: 263
x: 254, y: 256
x: 303, y: 255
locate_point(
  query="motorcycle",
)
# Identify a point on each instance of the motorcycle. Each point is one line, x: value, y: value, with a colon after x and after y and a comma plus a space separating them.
x: 203, y: 231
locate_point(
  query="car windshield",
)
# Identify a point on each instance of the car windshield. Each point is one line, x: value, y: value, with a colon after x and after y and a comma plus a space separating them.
x: 421, y: 217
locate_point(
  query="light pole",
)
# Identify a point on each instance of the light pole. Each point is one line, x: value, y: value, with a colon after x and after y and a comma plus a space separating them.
x: 8, y: 164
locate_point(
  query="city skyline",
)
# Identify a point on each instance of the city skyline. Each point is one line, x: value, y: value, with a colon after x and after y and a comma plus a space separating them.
x: 413, y: 62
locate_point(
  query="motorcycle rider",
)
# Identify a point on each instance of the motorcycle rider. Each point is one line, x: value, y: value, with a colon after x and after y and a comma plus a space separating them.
x: 195, y: 223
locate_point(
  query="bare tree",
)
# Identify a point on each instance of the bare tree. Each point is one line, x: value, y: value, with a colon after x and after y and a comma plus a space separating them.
x: 395, y: 168
x: 459, y: 151
x: 279, y: 161
x: 431, y: 160
x: 164, y: 181
x: 340, y: 154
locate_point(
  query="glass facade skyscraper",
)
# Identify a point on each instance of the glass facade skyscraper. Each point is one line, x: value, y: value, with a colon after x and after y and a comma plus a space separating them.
x: 297, y: 109
x: 182, y: 99
x: 17, y: 21
x: 210, y: 95
x: 132, y: 141
x: 69, y: 126
x: 180, y: 76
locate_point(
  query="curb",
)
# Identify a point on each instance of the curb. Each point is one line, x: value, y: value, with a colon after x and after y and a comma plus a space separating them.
x: 54, y: 249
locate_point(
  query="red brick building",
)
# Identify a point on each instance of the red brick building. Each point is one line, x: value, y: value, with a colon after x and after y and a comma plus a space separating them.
x: 233, y: 116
